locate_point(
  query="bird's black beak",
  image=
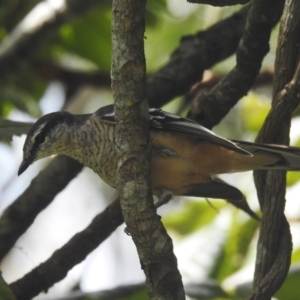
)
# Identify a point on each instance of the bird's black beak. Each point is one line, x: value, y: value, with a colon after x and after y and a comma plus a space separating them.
x: 24, y: 165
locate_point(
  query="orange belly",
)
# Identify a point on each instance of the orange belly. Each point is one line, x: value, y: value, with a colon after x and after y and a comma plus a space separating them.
x: 193, y: 161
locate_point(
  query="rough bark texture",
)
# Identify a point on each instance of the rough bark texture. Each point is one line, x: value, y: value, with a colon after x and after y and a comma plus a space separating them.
x: 72, y: 253
x: 186, y: 66
x: 275, y: 245
x: 195, y: 54
x: 253, y: 47
x: 163, y: 86
x: 153, y: 244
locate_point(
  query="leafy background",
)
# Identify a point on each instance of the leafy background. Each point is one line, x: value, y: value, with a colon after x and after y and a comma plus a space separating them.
x: 215, y: 244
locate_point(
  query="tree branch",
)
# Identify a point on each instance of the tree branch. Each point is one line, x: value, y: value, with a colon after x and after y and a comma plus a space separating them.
x: 195, y: 54
x: 163, y: 86
x: 154, y: 246
x: 13, y: 12
x: 72, y: 253
x: 264, y: 78
x: 275, y: 244
x: 263, y: 15
x: 10, y: 128
x: 20, y: 215
x: 17, y: 47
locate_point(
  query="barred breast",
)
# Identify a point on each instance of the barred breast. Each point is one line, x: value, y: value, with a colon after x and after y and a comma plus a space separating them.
x: 95, y: 149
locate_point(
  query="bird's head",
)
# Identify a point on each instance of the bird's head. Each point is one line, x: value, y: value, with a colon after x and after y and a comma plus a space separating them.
x: 46, y: 137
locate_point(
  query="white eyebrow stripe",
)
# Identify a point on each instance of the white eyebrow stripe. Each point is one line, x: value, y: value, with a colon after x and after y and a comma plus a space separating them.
x: 38, y: 131
x: 112, y: 114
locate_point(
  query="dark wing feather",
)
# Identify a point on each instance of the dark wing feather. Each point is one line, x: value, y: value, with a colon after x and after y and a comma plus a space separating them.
x: 106, y: 113
x: 169, y: 122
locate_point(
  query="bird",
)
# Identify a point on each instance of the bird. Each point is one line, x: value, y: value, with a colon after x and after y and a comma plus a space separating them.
x: 186, y: 157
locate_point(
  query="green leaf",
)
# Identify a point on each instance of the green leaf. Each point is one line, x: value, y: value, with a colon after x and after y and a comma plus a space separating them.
x: 22, y: 100
x: 192, y: 216
x: 234, y: 253
x: 293, y: 177
x: 290, y: 288
x: 296, y: 256
x: 254, y: 110
x: 89, y: 37
x: 5, y: 291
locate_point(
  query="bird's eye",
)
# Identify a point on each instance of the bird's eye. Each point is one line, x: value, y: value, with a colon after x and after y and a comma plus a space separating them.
x: 40, y: 138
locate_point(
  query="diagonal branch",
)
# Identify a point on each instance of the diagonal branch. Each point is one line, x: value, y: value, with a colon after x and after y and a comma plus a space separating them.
x: 195, y: 54
x: 173, y: 79
x: 72, y: 253
x: 32, y: 30
x: 20, y: 215
x: 161, y: 90
x: 263, y: 15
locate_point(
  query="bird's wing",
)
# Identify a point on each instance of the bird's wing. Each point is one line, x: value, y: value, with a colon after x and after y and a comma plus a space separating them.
x: 165, y: 121
x: 169, y: 122
x: 106, y: 113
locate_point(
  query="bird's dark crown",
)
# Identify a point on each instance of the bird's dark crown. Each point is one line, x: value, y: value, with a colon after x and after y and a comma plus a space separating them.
x: 50, y: 121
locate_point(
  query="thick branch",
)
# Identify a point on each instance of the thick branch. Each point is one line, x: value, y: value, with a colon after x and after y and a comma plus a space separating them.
x: 275, y: 245
x: 10, y: 128
x: 168, y: 82
x: 263, y: 79
x: 163, y: 86
x: 72, y: 253
x: 20, y: 215
x: 51, y: 71
x: 13, y: 12
x: 195, y: 54
x: 153, y: 244
x: 254, y: 45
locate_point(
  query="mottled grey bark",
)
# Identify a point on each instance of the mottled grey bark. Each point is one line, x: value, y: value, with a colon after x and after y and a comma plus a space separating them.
x: 275, y: 245
x: 154, y: 246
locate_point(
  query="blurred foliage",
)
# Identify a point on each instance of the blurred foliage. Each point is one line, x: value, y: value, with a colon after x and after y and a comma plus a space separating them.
x: 5, y: 291
x: 84, y: 44
x: 205, y: 290
x: 233, y: 254
x: 296, y: 256
x: 290, y: 288
x: 193, y: 216
x: 254, y: 109
x: 83, y: 38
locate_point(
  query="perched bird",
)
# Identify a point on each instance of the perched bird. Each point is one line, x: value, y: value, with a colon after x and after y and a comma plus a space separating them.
x: 186, y: 157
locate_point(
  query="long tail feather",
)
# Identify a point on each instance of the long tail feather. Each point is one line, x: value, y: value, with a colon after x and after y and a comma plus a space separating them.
x: 288, y: 157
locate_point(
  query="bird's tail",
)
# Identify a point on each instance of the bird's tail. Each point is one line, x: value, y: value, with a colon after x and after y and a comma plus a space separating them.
x: 288, y: 158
